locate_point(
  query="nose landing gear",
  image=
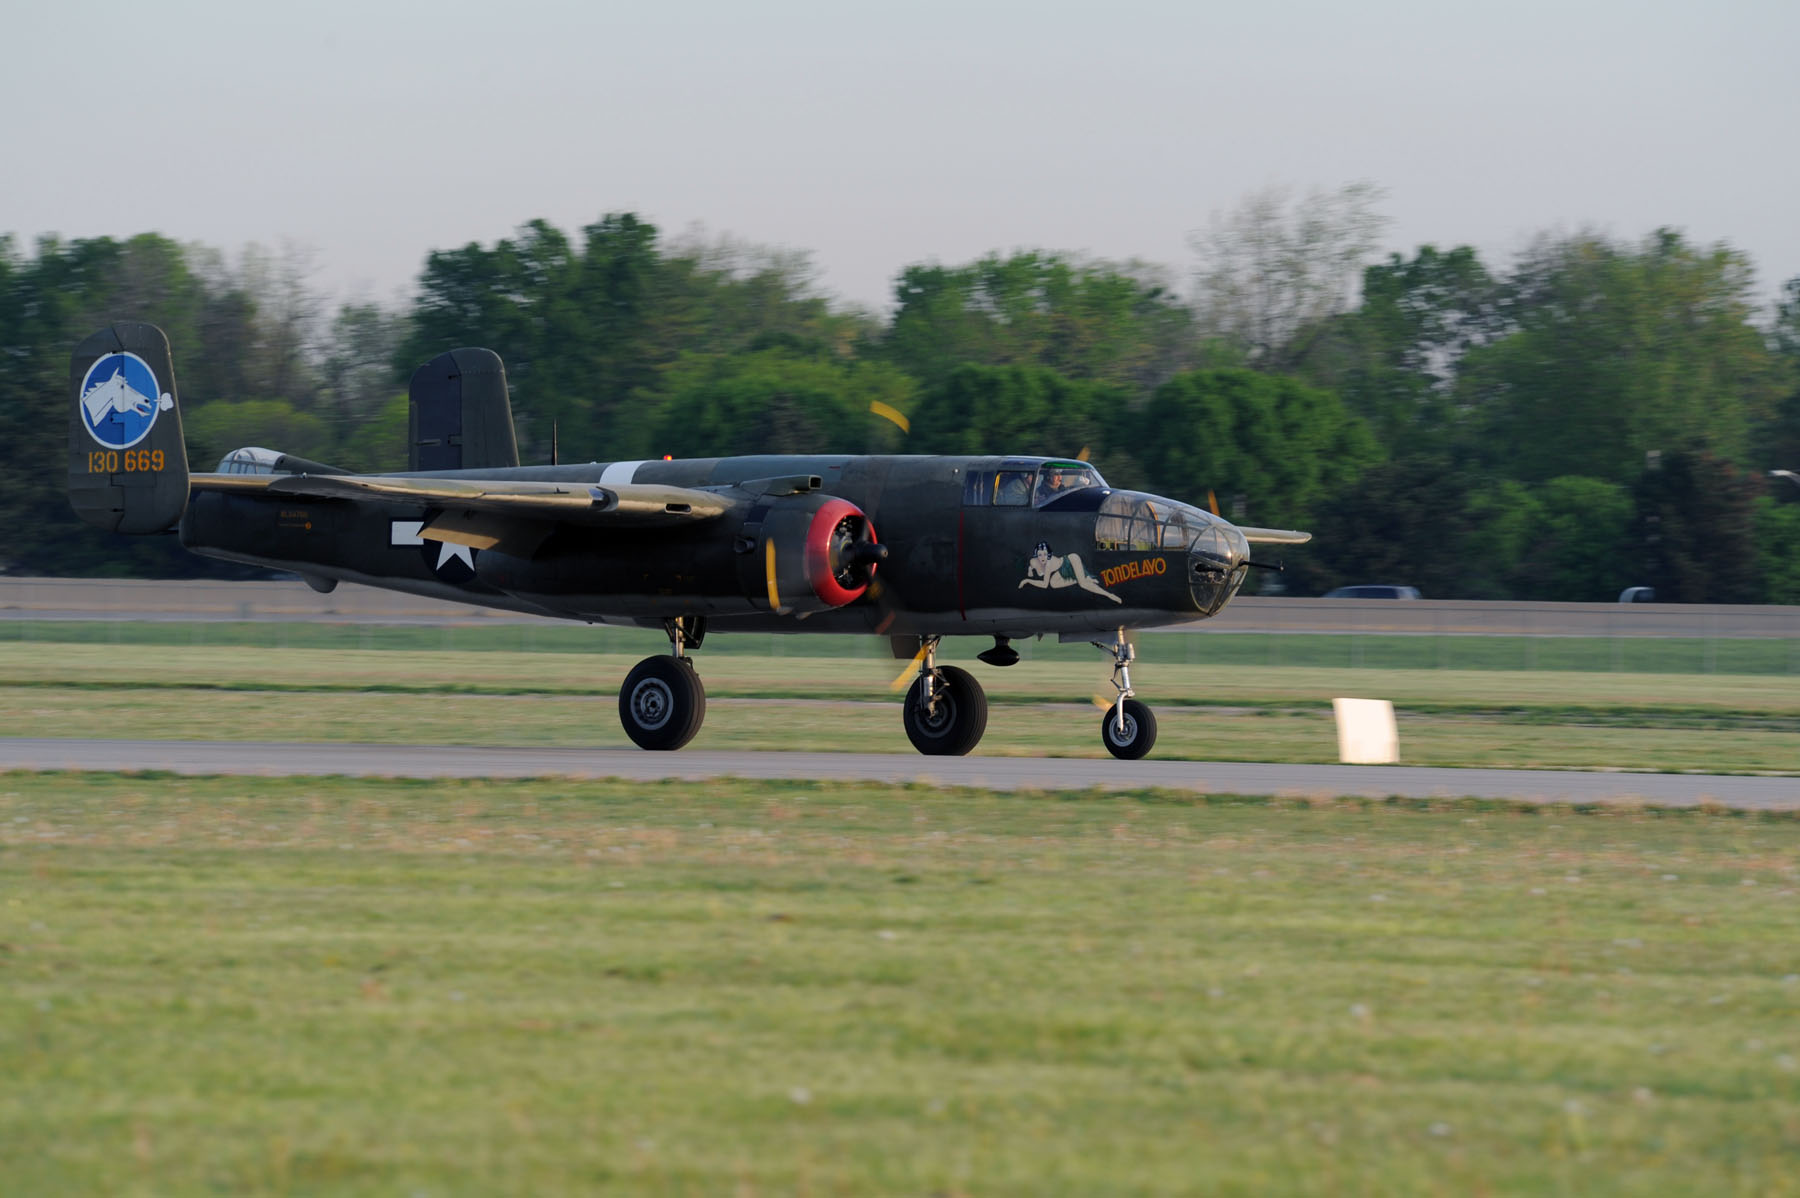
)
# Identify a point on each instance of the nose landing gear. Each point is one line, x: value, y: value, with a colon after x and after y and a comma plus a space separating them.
x: 1129, y: 727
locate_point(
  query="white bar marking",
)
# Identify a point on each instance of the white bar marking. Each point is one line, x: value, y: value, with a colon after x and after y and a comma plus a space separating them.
x: 620, y: 473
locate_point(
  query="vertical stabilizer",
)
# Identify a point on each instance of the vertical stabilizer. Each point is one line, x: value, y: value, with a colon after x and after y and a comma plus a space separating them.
x: 461, y: 418
x: 128, y: 468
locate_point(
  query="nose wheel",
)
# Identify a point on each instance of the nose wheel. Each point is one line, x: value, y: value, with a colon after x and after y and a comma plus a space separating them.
x: 1129, y: 727
x: 946, y: 710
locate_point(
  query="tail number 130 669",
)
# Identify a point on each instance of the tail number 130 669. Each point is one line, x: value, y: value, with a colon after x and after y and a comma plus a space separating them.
x: 108, y: 461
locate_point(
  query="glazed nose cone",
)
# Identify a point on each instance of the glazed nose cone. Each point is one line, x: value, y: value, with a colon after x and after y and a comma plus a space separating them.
x: 1216, y: 566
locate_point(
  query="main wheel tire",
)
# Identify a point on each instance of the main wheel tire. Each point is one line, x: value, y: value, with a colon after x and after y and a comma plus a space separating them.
x: 1139, y: 735
x: 955, y: 724
x: 662, y: 703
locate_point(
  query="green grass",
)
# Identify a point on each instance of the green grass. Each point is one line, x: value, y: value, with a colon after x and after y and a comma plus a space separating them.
x: 1536, y: 719
x: 1631, y: 655
x: 311, y: 987
x: 1722, y: 744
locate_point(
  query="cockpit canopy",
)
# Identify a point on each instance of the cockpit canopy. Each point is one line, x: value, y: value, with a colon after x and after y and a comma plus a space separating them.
x: 252, y: 459
x: 1057, y: 479
x: 1029, y: 483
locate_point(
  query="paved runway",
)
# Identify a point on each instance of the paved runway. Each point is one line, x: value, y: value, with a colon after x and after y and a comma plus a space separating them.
x: 996, y: 773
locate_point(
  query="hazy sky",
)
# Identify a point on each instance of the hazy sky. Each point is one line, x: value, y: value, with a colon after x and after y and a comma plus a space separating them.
x: 876, y: 136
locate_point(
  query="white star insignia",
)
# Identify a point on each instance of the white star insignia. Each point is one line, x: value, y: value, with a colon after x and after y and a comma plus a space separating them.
x: 448, y: 552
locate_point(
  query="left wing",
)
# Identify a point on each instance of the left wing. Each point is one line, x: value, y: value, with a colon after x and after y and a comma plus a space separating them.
x: 635, y: 505
x: 515, y: 513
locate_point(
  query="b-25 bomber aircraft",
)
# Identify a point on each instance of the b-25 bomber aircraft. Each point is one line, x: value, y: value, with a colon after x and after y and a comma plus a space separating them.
x: 913, y: 548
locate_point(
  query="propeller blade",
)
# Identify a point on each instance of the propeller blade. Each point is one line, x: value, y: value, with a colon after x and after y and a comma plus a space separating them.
x: 906, y: 676
x: 769, y: 561
x: 1212, y: 501
x: 1099, y: 697
x: 878, y: 595
x: 891, y: 413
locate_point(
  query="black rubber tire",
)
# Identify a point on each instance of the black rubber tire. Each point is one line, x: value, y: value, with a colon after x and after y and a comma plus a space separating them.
x: 1140, y: 731
x: 662, y: 703
x: 959, y: 720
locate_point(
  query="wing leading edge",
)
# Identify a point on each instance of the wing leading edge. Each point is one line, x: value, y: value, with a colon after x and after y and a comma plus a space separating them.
x: 631, y: 505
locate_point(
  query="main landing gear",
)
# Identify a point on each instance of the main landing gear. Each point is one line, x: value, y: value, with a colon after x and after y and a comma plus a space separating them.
x: 1129, y: 728
x: 662, y: 702
x: 946, y: 710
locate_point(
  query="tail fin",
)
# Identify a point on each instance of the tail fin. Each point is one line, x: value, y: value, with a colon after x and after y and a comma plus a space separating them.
x: 461, y: 416
x: 128, y: 467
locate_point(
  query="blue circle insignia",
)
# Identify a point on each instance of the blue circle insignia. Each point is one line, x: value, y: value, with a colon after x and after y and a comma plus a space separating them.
x: 120, y: 399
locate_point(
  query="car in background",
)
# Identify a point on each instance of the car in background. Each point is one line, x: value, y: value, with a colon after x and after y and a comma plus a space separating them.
x: 1373, y: 591
x: 1638, y: 595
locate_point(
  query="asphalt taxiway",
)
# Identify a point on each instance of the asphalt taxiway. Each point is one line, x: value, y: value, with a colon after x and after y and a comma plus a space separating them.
x: 1747, y: 792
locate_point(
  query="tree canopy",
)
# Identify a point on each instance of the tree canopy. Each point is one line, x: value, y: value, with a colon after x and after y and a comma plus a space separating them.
x: 1613, y: 352
x: 1597, y: 414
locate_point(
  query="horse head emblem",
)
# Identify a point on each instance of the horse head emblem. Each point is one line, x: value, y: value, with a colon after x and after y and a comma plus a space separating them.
x: 118, y: 408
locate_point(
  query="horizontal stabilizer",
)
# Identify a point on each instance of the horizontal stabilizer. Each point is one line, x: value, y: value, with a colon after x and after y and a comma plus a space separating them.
x: 1274, y: 536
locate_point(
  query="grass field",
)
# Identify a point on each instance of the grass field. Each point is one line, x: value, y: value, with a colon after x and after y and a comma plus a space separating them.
x: 337, y: 987
x: 1207, y: 646
x: 1525, y: 719
x: 306, y: 987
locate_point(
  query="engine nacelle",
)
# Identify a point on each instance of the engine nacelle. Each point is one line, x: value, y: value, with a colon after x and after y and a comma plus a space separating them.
x: 806, y: 553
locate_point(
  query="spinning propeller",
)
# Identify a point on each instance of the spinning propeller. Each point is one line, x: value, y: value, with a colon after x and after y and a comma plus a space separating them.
x: 838, y: 557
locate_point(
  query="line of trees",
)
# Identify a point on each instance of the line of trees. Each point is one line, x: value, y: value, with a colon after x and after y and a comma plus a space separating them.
x: 1599, y: 413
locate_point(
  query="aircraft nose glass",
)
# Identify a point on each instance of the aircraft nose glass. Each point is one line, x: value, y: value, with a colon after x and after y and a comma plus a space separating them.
x: 1216, y: 567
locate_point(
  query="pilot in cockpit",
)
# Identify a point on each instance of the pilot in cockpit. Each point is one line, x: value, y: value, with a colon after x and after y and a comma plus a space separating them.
x: 1055, y: 482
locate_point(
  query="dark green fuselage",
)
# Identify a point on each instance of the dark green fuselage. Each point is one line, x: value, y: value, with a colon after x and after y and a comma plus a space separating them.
x: 959, y: 561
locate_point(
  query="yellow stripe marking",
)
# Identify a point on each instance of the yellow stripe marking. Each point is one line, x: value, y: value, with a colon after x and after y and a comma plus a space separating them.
x: 774, y: 597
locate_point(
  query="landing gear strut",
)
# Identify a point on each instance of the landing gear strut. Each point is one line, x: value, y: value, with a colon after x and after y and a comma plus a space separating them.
x: 662, y: 703
x: 1129, y: 727
x: 946, y: 711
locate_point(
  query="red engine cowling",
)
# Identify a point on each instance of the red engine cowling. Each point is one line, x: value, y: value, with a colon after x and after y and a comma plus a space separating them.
x: 811, y: 552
